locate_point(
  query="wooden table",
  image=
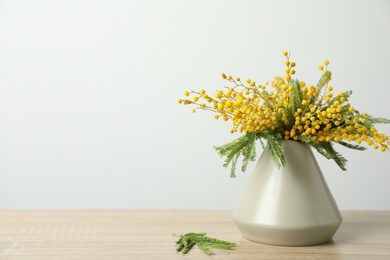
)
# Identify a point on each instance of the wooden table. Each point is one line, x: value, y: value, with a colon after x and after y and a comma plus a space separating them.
x: 131, y: 234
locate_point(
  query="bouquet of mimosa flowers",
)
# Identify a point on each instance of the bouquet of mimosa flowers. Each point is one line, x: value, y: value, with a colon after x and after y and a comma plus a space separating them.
x: 291, y: 110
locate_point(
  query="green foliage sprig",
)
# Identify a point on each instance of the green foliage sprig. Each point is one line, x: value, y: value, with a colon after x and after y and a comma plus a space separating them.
x: 189, y: 240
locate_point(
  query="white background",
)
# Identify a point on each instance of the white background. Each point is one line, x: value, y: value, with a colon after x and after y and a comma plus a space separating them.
x: 88, y: 96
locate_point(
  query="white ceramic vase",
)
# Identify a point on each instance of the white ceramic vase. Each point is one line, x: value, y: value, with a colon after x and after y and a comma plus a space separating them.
x: 290, y: 206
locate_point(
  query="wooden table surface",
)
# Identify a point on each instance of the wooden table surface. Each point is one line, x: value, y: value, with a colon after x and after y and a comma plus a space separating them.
x: 132, y: 234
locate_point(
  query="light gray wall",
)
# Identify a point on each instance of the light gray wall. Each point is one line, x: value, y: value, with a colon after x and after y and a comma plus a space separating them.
x: 88, y: 96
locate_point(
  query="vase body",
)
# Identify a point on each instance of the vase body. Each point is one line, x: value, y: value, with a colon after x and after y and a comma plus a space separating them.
x: 290, y: 206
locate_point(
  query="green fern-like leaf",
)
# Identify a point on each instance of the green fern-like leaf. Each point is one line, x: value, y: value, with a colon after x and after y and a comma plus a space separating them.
x: 187, y: 241
x: 324, y: 80
x: 276, y: 151
x: 262, y: 143
x: 352, y: 146
x: 249, y: 152
x: 234, y: 165
x: 326, y: 149
x: 297, y: 97
x: 307, y: 139
x: 322, y: 151
x: 232, y: 151
x: 346, y: 96
x: 378, y: 120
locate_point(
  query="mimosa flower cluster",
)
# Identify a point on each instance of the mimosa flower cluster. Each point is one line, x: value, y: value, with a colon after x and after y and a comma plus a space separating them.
x: 292, y: 110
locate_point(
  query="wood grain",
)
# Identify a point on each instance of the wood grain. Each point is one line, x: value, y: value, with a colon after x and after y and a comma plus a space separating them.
x: 131, y: 234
